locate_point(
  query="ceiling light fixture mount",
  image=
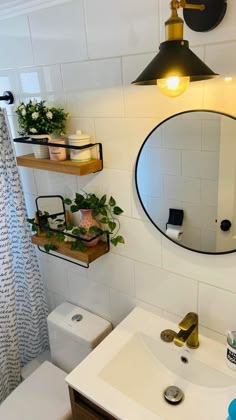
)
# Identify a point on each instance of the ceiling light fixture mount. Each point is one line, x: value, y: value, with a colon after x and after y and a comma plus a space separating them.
x: 214, y: 13
x: 176, y: 65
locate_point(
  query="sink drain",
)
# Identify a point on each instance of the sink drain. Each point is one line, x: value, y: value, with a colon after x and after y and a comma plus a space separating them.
x: 173, y: 395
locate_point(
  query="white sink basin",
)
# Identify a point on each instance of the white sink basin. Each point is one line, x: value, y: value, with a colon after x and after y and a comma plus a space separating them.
x: 128, y: 373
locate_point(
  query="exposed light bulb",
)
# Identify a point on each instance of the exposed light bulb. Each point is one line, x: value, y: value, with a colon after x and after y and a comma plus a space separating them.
x: 228, y: 79
x: 173, y: 86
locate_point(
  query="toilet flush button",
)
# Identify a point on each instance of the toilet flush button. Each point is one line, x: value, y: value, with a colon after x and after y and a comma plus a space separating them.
x: 77, y: 318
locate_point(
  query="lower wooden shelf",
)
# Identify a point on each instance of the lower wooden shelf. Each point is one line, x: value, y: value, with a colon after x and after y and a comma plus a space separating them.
x: 64, y: 248
x: 65, y: 166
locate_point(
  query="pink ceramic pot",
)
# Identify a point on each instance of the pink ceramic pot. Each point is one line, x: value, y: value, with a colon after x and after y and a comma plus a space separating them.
x: 86, y: 222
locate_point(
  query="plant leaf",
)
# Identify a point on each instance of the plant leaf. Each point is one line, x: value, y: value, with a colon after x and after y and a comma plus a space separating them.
x: 34, y: 228
x: 31, y: 221
x: 114, y: 241
x: 49, y: 235
x: 69, y: 226
x: 104, y: 220
x: 74, y: 245
x: 120, y: 239
x: 117, y: 210
x: 112, y: 225
x: 103, y: 200
x: 93, y: 229
x: 74, y: 208
x: 60, y: 237
x: 81, y: 246
x: 112, y: 202
x: 75, y: 231
x: 103, y: 211
x: 50, y: 247
x: 67, y: 201
x: 96, y: 212
x: 78, y: 245
x: 82, y: 230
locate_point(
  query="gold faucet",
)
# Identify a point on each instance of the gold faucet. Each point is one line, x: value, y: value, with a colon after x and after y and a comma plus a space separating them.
x: 188, y: 331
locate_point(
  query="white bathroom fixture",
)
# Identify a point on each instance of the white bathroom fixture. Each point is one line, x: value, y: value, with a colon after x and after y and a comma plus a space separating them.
x: 73, y: 334
x: 128, y: 374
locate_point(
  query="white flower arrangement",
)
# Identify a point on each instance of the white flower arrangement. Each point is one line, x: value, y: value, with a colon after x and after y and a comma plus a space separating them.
x: 37, y: 118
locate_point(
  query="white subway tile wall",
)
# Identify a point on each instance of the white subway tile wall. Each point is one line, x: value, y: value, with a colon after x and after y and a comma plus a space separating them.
x: 83, y: 55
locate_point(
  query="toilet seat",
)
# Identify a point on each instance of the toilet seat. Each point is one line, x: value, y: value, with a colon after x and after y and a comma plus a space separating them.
x: 43, y: 395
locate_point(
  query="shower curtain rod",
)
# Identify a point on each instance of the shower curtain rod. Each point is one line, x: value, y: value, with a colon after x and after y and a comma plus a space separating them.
x: 7, y: 97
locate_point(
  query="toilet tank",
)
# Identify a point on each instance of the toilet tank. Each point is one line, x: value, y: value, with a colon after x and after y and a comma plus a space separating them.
x: 73, y: 333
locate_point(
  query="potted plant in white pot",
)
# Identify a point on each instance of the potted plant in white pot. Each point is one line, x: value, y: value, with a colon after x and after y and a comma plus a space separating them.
x: 39, y: 121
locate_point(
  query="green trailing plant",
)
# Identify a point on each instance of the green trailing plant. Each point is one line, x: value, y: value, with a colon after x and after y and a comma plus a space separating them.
x: 59, y: 232
x: 104, y: 209
x: 37, y: 118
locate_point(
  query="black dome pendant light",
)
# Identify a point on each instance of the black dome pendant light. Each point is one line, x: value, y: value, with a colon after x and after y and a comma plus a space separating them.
x: 176, y: 65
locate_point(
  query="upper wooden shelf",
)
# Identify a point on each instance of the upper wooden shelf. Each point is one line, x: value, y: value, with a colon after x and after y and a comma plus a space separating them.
x: 66, y: 166
x: 87, y: 256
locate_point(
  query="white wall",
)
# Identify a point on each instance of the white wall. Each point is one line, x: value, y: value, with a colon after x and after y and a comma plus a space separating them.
x: 83, y: 55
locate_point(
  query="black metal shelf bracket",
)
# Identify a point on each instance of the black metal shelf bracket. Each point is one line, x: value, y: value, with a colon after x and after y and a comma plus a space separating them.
x: 45, y: 142
x: 54, y: 254
x: 62, y: 258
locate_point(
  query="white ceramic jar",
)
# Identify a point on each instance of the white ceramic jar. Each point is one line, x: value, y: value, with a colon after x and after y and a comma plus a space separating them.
x: 79, y: 139
x: 40, y: 152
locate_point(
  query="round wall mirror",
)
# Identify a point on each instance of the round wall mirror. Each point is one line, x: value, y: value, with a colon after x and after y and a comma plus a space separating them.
x: 186, y: 180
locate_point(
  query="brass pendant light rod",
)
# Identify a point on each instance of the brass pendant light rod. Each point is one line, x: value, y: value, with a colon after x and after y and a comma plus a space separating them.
x: 174, y: 26
x: 176, y: 4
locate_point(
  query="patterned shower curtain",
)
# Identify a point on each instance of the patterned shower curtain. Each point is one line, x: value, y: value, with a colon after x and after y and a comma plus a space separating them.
x: 23, y: 309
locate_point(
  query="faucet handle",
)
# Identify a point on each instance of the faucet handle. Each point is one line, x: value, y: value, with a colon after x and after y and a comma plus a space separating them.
x: 190, y: 320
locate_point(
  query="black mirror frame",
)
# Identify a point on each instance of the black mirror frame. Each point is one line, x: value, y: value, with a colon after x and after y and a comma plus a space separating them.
x: 136, y: 179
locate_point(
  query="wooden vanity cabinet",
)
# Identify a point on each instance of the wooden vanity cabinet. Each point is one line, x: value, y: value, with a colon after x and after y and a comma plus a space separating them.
x: 83, y: 409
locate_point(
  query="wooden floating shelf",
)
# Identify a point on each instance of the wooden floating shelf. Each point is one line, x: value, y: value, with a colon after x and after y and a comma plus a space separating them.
x: 87, y: 256
x: 65, y: 166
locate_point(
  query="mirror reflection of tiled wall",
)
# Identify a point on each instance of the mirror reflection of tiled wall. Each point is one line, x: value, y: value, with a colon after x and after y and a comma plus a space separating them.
x: 179, y: 169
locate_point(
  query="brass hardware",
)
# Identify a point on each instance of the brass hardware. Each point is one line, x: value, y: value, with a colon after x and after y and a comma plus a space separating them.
x: 188, y: 331
x: 174, y: 26
x: 168, y: 335
x: 176, y: 4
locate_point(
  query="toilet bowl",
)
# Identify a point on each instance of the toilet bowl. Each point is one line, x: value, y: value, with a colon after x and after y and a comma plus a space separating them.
x: 44, y: 395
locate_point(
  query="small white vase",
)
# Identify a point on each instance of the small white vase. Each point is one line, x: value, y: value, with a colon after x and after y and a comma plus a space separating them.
x: 40, y: 151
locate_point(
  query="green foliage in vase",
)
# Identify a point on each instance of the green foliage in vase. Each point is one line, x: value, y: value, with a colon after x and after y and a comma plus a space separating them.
x: 59, y: 233
x: 37, y: 118
x: 104, y: 209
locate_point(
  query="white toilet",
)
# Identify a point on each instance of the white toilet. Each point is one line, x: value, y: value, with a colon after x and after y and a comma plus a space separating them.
x: 73, y: 334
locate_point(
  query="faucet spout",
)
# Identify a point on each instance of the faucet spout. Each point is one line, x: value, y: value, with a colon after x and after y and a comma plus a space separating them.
x: 188, y: 331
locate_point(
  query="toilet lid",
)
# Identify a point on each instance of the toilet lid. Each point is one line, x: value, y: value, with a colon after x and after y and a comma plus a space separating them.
x: 43, y: 395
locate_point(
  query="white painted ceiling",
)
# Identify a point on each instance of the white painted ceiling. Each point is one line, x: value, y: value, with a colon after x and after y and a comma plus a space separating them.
x: 9, y: 8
